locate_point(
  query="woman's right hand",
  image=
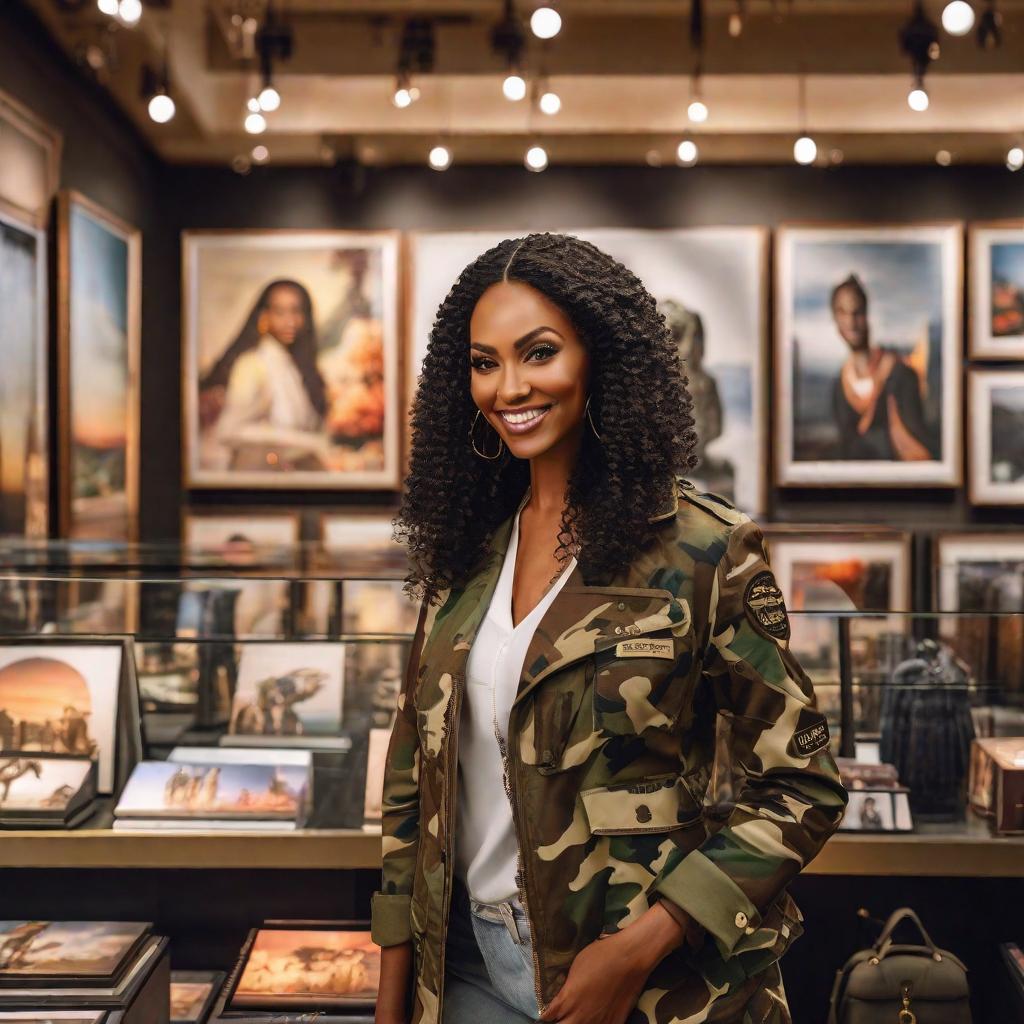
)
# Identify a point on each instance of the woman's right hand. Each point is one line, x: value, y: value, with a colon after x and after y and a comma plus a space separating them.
x: 395, y: 975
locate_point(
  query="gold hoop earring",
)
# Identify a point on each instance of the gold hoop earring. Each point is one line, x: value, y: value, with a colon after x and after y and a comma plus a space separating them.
x: 586, y: 410
x: 472, y: 441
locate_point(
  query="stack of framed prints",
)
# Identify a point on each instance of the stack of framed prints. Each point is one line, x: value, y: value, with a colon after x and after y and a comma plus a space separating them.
x: 326, y: 970
x: 46, y: 790
x: 193, y: 994
x: 85, y: 967
x: 72, y: 696
x: 181, y: 796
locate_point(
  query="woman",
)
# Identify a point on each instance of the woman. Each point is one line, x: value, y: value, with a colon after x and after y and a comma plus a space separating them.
x: 265, y: 395
x: 595, y: 614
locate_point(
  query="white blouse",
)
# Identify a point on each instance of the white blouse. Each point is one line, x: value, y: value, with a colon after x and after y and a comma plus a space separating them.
x: 485, y: 839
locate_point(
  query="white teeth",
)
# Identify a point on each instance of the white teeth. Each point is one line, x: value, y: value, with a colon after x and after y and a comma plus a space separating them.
x: 523, y: 417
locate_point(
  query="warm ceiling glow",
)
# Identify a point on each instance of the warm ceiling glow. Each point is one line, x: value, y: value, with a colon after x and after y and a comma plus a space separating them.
x: 129, y: 11
x: 260, y: 154
x: 161, y: 108
x: 686, y: 152
x: 440, y: 158
x: 514, y: 87
x: 269, y: 99
x: 917, y: 99
x: 545, y: 22
x: 697, y: 111
x: 805, y: 149
x: 255, y: 124
x: 536, y: 158
x: 550, y: 103
x: 958, y: 18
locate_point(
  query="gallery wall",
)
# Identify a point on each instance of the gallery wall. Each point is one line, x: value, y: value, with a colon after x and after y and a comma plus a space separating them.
x: 105, y: 158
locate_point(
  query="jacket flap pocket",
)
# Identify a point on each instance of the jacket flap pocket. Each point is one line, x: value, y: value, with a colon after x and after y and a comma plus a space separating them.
x: 657, y: 804
x: 582, y: 620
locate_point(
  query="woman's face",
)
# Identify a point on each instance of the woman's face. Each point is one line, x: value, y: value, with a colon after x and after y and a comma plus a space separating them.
x: 529, y: 370
x: 282, y: 317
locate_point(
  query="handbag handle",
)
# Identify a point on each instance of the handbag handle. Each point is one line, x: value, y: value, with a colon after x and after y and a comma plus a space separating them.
x: 884, y: 940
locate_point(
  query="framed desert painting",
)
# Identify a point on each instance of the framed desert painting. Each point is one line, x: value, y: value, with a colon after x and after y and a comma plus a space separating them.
x: 291, y: 359
x: 995, y: 253
x: 98, y: 355
x: 995, y: 436
x: 867, y: 355
x: 711, y: 285
x: 24, y: 460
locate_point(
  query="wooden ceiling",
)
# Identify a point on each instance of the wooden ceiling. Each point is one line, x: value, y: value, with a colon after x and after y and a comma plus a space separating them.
x: 623, y: 69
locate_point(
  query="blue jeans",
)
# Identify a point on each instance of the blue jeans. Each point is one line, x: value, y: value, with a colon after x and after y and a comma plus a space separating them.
x: 488, y: 962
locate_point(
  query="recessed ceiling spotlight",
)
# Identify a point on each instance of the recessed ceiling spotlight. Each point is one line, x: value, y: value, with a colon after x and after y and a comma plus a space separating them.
x: 536, y: 158
x: 958, y: 18
x: 687, y: 153
x: 440, y: 158
x: 550, y: 103
x: 514, y: 87
x: 805, y: 150
x: 1015, y: 158
x: 653, y: 158
x: 260, y: 154
x: 108, y: 7
x: 943, y: 158
x: 835, y: 155
x: 545, y: 22
x: 255, y: 123
x: 269, y: 99
x: 697, y: 111
x: 917, y: 99
x: 161, y: 108
x: 129, y: 11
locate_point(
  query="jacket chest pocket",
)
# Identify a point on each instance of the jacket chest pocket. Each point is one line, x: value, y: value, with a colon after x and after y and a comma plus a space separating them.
x: 642, y: 681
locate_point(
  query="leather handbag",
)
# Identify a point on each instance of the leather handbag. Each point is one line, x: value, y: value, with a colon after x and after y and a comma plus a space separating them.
x: 889, y: 983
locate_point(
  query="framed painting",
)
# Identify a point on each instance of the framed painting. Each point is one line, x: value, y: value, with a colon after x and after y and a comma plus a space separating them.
x: 98, y: 353
x: 867, y: 355
x: 995, y: 436
x: 979, y: 572
x: 995, y: 252
x: 826, y: 568
x: 24, y: 458
x: 30, y: 152
x: 291, y: 359
x: 710, y: 283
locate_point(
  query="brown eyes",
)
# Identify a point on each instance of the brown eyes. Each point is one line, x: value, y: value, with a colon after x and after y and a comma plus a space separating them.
x: 545, y: 351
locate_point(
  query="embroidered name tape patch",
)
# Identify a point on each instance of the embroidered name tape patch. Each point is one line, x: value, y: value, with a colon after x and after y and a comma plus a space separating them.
x: 765, y: 606
x: 644, y: 649
x: 811, y: 734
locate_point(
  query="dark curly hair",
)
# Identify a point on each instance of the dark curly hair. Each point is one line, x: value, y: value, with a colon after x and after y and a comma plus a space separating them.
x: 454, y: 499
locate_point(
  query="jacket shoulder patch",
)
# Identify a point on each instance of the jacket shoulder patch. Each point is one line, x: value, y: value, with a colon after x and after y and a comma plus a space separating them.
x: 811, y: 734
x: 765, y: 606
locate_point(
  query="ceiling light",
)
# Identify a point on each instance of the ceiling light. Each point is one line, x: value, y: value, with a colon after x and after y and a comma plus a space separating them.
x: 958, y: 18
x: 269, y: 99
x: 108, y: 7
x: 161, y: 108
x: 736, y: 20
x: 697, y: 111
x: 653, y: 158
x: 917, y: 99
x: 536, y: 158
x: 252, y: 105
x: 514, y: 87
x: 414, y: 92
x: 550, y: 103
x: 943, y: 158
x: 1015, y: 158
x: 129, y: 11
x: 401, y: 98
x: 440, y: 158
x: 260, y: 154
x: 686, y: 152
x: 545, y: 22
x: 255, y: 123
x: 805, y: 150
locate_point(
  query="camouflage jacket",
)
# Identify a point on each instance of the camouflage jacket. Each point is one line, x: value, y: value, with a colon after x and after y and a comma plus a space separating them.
x: 611, y: 747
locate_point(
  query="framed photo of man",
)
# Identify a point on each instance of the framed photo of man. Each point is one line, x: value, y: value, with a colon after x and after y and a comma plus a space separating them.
x: 996, y: 257
x: 995, y: 436
x: 291, y: 359
x: 711, y: 285
x: 98, y: 353
x: 867, y: 355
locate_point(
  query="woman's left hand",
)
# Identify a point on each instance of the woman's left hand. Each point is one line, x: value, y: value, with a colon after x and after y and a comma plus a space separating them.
x: 608, y: 975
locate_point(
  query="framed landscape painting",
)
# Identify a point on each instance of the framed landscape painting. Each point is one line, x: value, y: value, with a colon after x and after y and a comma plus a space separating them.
x: 996, y: 258
x: 711, y: 286
x: 995, y: 437
x: 291, y: 359
x: 98, y: 371
x: 867, y: 355
x: 24, y: 463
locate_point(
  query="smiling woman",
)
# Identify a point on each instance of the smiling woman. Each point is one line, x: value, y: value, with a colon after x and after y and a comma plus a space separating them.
x: 586, y: 617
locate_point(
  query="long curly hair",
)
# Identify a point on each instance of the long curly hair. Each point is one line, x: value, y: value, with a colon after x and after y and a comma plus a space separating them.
x: 639, y: 401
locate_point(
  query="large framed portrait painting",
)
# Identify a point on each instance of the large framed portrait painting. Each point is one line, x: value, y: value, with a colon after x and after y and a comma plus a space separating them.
x: 291, y: 359
x: 98, y: 365
x: 710, y: 284
x: 867, y: 356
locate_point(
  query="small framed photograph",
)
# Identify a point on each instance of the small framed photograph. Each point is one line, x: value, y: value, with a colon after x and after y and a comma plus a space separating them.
x: 979, y: 572
x: 309, y: 966
x: 996, y: 316
x: 826, y: 568
x: 868, y: 355
x: 193, y: 994
x: 877, y: 810
x: 995, y: 437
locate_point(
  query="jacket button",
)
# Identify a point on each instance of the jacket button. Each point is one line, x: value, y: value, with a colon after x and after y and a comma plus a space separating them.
x: 621, y: 606
x: 444, y: 856
x: 547, y: 756
x: 643, y: 812
x: 741, y: 920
